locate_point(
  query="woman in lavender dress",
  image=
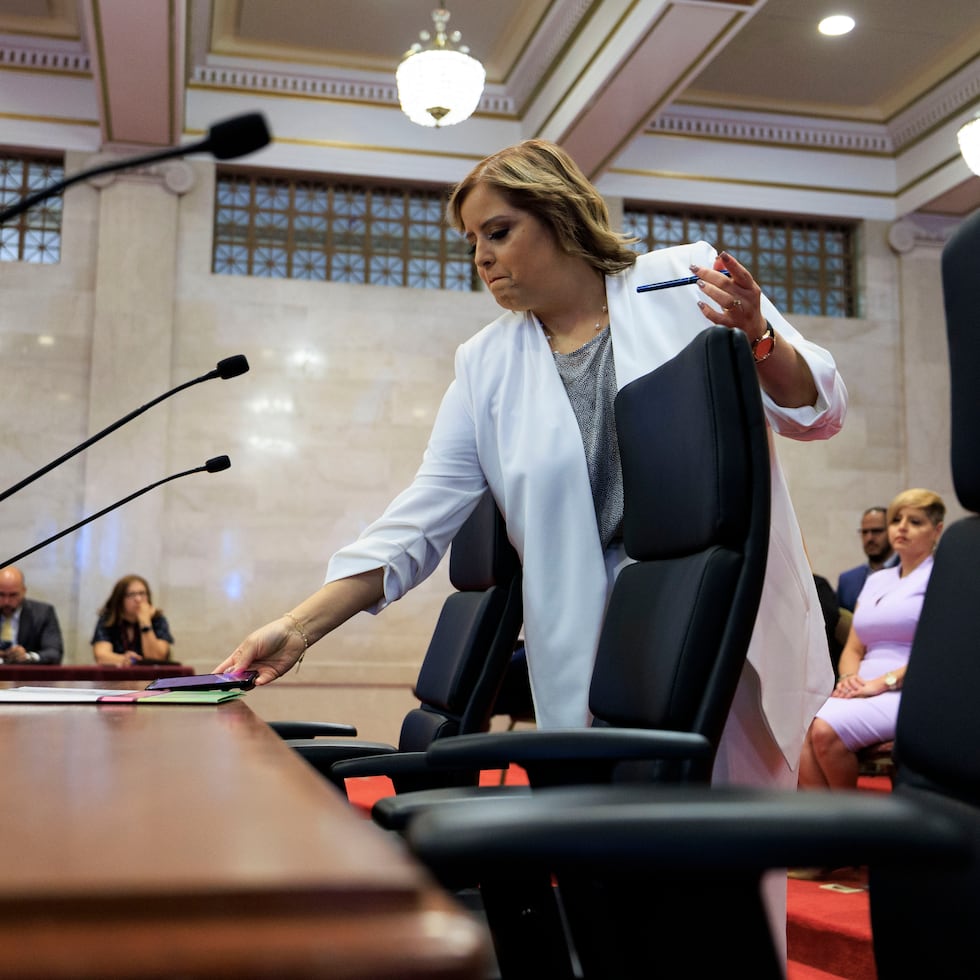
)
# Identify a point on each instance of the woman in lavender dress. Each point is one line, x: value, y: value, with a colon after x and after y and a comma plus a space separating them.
x: 863, y: 708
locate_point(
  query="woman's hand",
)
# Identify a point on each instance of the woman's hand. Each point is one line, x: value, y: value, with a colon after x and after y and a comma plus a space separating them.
x: 272, y: 650
x: 145, y: 613
x: 276, y: 647
x: 857, y: 687
x: 783, y: 374
x: 737, y: 293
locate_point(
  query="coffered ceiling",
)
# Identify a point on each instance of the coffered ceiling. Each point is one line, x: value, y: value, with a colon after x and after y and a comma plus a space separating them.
x: 737, y: 102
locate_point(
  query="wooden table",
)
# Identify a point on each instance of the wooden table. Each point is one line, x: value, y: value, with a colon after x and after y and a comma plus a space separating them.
x: 176, y: 841
x: 95, y: 674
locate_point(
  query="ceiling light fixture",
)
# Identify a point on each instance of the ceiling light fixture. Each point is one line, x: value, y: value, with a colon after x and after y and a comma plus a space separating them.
x: 969, y: 139
x: 836, y: 25
x: 439, y: 84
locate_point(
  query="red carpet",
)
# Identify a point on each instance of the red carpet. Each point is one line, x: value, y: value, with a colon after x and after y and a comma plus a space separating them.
x: 828, y: 923
x: 800, y: 971
x: 828, y: 926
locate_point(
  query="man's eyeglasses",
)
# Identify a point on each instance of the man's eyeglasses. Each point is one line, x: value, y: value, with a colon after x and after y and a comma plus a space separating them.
x: 871, y: 530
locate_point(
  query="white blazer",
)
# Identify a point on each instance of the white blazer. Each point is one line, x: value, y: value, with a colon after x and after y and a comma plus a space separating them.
x: 506, y: 422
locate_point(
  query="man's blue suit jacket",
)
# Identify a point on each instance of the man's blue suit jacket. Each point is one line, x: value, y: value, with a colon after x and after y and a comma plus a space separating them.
x: 851, y: 582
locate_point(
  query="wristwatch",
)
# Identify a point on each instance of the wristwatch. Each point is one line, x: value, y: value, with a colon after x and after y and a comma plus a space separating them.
x: 891, y: 680
x: 145, y: 629
x: 762, y: 347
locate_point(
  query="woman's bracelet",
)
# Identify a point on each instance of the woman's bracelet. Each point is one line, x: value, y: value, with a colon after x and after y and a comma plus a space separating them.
x: 845, y: 676
x: 298, y: 628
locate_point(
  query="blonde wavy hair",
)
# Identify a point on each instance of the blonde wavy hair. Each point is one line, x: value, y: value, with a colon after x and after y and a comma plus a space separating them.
x: 541, y: 178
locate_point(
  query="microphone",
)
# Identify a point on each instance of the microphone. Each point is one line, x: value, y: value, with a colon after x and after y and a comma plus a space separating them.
x: 213, y: 465
x: 234, y: 137
x: 225, y: 140
x: 229, y: 367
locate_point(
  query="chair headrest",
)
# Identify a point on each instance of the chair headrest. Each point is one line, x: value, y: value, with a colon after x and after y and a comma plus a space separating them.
x: 481, y: 555
x: 692, y: 411
x: 961, y: 270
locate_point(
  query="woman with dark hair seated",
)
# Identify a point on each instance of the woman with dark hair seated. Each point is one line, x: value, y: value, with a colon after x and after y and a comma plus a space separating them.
x: 130, y: 630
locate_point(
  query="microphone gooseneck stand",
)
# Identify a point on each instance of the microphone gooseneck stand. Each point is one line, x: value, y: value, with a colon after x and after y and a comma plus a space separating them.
x: 229, y: 367
x: 225, y: 140
x: 214, y: 465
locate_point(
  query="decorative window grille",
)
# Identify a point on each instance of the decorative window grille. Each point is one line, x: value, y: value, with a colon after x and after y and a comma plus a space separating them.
x: 804, y: 266
x: 288, y: 228
x: 35, y: 234
x: 341, y: 231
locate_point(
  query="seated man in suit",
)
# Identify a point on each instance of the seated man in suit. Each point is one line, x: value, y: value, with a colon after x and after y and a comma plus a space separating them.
x: 874, y: 541
x: 29, y: 630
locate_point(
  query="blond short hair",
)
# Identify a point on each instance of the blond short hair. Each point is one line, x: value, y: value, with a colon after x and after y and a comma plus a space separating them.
x: 927, y: 500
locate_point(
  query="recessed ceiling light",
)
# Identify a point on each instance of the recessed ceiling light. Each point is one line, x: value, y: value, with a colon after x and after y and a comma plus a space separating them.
x: 836, y: 24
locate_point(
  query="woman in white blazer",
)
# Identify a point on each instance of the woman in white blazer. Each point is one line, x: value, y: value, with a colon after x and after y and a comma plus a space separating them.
x: 535, y: 387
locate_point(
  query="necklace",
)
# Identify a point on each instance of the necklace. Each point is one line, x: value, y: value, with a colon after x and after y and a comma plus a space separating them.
x: 599, y: 327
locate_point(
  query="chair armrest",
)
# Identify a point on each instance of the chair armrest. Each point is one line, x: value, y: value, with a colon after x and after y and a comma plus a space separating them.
x: 410, y: 772
x: 312, y: 729
x: 381, y: 765
x: 681, y: 830
x: 567, y: 756
x: 323, y: 753
x: 397, y: 812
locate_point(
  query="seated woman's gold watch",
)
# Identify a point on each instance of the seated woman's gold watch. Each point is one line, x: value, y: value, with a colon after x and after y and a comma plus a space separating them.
x: 891, y: 679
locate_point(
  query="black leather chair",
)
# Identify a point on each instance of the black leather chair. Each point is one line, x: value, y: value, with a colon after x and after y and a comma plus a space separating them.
x: 461, y: 673
x: 663, y: 881
x: 666, y: 879
x: 937, y: 742
x: 694, y: 446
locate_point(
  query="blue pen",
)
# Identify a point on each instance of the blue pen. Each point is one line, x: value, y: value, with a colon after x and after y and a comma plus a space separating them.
x: 670, y: 283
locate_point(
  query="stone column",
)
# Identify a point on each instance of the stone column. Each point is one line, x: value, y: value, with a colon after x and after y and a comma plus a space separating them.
x: 131, y: 364
x: 918, y: 241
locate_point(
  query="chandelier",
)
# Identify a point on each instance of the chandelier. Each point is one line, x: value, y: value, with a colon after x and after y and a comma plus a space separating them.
x: 969, y: 140
x: 439, y: 84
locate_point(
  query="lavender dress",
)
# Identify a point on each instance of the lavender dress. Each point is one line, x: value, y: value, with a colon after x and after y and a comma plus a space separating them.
x: 886, y: 616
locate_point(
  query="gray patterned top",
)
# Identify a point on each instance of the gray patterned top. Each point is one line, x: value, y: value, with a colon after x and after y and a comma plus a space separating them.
x: 589, y: 376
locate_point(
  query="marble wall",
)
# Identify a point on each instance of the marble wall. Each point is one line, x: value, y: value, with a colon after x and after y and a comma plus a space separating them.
x: 327, y: 425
